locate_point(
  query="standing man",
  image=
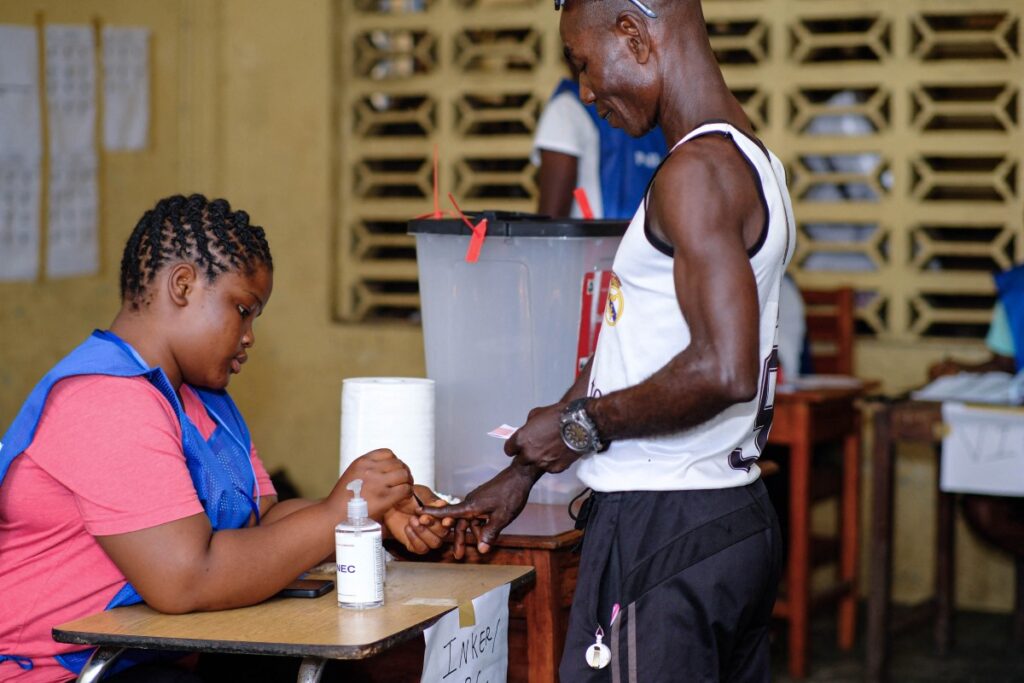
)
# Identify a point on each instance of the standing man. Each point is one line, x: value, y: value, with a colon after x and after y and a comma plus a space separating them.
x: 681, y: 556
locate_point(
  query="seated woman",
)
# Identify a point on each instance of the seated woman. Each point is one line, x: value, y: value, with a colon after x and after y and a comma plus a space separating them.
x: 129, y: 474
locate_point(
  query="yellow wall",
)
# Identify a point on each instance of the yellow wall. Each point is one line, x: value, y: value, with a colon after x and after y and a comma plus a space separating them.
x: 42, y: 321
x: 242, y: 107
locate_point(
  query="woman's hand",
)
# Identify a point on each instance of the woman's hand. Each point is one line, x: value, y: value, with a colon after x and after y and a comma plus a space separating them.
x: 386, y: 483
x: 419, y: 533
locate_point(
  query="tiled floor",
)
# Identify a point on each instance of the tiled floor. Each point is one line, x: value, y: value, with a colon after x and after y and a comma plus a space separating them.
x: 982, y: 653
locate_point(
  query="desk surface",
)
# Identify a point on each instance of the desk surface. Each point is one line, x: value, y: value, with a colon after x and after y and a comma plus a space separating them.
x: 414, y: 597
x: 816, y: 392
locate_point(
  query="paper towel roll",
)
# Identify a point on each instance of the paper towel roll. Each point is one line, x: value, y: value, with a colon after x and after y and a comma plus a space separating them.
x: 389, y: 412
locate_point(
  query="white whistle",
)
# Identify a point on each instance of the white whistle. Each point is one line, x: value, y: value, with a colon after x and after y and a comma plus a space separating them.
x: 598, y: 654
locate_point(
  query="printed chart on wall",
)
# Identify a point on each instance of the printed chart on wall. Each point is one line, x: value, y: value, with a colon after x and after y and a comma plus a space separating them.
x: 72, y: 246
x: 125, y: 88
x: 20, y: 153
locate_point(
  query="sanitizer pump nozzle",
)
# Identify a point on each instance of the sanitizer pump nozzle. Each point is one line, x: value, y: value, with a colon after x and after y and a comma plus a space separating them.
x: 358, y: 510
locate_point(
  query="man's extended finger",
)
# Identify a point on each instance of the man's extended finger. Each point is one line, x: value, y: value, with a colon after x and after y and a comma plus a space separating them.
x: 466, y: 508
x: 460, y: 539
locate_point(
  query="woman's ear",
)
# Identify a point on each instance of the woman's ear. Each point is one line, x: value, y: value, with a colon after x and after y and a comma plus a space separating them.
x: 638, y: 38
x: 181, y: 282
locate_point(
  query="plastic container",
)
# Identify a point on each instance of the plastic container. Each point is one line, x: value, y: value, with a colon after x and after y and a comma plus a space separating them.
x: 359, y: 553
x: 503, y: 335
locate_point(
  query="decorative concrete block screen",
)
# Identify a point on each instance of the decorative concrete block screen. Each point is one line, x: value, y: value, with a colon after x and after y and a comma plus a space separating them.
x: 899, y: 123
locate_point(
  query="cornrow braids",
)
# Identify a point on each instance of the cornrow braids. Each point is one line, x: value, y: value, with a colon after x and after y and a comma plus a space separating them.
x: 194, y: 229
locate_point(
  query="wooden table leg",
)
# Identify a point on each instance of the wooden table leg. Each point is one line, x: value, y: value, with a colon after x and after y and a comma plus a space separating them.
x: 945, y: 558
x: 880, y: 585
x: 798, y: 566
x: 545, y: 634
x: 849, y: 538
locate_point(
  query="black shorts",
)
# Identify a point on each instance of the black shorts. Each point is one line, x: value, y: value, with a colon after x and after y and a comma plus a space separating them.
x: 694, y: 574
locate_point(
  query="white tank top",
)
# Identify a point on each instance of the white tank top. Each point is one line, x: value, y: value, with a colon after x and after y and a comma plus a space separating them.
x: 644, y: 329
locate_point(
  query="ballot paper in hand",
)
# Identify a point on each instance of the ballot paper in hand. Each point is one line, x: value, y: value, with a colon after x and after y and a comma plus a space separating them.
x: 469, y: 644
x: 503, y: 432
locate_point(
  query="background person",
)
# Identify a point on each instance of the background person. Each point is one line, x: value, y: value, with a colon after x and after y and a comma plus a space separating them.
x: 574, y: 147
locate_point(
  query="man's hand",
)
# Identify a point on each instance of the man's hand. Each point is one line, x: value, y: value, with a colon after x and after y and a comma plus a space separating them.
x: 539, y: 441
x: 418, y: 532
x: 492, y: 505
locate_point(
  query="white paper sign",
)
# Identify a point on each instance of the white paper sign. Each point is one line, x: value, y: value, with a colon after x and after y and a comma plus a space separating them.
x: 983, y: 451
x: 125, y: 88
x: 474, y: 654
x: 20, y: 153
x: 71, y: 88
x: 73, y: 201
x: 72, y: 246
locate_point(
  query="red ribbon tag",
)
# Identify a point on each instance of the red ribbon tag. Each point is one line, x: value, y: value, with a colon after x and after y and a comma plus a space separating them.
x: 476, y: 241
x: 479, y: 233
x: 436, y: 213
x: 584, y: 203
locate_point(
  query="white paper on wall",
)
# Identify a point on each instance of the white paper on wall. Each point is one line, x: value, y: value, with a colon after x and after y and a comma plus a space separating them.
x: 20, y: 153
x: 125, y: 88
x: 71, y: 88
x: 72, y: 246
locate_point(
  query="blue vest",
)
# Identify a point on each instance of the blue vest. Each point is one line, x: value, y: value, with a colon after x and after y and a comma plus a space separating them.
x: 1010, y: 285
x: 220, y: 467
x: 626, y: 163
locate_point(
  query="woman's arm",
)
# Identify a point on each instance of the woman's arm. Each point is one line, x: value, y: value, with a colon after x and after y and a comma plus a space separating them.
x: 183, y: 566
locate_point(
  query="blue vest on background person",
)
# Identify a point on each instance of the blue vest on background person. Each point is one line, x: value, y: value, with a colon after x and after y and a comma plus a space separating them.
x: 1010, y: 285
x: 626, y: 163
x: 220, y: 467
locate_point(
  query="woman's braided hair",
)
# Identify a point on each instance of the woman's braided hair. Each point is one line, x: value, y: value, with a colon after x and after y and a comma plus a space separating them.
x: 194, y: 229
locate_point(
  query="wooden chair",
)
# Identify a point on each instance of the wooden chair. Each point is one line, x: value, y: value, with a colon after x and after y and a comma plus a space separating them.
x: 829, y: 318
x: 829, y: 315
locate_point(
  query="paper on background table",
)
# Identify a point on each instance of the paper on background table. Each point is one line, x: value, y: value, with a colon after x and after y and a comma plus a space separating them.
x: 970, y: 387
x: 983, y: 451
x: 20, y: 153
x: 125, y: 88
x: 477, y: 652
x: 73, y: 201
x: 812, y: 382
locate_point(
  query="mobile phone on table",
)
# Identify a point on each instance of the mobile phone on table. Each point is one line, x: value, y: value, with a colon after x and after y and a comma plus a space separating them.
x: 307, y: 588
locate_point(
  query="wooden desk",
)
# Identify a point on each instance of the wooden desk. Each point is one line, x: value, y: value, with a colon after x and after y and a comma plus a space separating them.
x: 905, y: 421
x: 414, y: 597
x: 804, y: 418
x: 543, y: 537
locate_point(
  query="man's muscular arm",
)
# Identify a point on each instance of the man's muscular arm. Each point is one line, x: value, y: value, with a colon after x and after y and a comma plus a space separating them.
x: 705, y: 204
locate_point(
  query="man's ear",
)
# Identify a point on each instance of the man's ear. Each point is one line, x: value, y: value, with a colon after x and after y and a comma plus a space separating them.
x: 181, y: 282
x: 637, y: 35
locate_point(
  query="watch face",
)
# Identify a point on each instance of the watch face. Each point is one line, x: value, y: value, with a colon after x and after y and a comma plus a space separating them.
x: 576, y: 436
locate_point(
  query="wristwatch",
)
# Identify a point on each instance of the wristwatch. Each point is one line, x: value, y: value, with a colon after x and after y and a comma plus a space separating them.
x: 578, y: 431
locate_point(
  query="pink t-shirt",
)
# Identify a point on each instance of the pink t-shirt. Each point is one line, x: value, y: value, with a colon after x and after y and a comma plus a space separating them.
x: 106, y: 459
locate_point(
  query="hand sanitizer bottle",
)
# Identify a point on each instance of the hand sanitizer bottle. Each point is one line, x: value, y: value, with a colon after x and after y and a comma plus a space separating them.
x: 360, y: 555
